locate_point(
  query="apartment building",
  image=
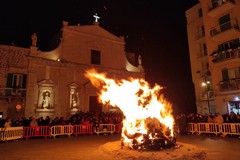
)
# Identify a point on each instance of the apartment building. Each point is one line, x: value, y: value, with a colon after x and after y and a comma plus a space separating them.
x: 213, y: 28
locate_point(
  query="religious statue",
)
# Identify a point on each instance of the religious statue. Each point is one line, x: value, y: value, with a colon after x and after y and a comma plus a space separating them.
x: 34, y: 39
x: 74, y: 99
x: 46, y: 102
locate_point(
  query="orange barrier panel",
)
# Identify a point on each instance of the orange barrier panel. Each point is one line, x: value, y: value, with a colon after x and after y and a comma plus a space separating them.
x: 40, y: 131
x: 82, y: 129
x: 118, y: 128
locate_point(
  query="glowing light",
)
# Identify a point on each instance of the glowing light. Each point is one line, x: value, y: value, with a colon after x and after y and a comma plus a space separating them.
x: 18, y: 107
x: 141, y: 105
x: 236, y: 98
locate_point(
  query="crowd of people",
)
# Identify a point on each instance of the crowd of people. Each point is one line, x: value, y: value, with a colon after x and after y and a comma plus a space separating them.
x: 95, y: 119
x: 182, y: 120
x: 78, y: 118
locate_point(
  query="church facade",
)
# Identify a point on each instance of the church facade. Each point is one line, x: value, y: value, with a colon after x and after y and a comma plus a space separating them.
x: 38, y: 83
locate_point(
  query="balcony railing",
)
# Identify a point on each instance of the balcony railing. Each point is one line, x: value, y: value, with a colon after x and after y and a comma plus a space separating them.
x: 217, y: 3
x: 232, y: 24
x: 230, y: 85
x: 12, y: 92
x: 226, y: 55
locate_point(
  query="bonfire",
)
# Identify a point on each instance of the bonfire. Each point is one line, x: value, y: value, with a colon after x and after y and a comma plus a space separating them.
x: 148, y: 122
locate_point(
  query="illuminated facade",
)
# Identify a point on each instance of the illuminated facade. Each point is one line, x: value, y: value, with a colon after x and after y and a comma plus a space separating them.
x: 53, y: 83
x: 214, y: 46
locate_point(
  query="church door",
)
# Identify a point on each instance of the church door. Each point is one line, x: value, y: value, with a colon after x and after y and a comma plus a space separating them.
x: 94, y: 105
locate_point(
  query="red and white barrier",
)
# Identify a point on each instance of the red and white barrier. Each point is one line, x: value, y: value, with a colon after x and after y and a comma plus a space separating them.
x: 82, y: 129
x: 40, y: 131
x: 12, y: 133
x: 118, y: 128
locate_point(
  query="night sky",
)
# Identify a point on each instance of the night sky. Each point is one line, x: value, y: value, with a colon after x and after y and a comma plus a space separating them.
x: 153, y: 28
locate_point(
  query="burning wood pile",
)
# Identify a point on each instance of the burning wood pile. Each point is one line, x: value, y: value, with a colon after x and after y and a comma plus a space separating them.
x: 148, y: 121
x: 155, y: 138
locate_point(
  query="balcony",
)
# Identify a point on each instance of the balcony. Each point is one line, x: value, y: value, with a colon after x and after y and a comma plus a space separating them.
x: 218, y: 7
x: 230, y: 85
x: 225, y: 31
x: 226, y: 55
x: 9, y: 93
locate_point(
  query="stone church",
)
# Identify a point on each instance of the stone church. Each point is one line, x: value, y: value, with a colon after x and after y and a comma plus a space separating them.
x: 39, y: 83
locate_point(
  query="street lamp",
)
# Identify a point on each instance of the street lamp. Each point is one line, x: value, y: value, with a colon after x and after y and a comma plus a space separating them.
x: 207, y: 85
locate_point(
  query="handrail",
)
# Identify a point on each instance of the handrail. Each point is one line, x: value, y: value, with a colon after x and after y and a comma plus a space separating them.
x: 232, y: 24
x: 216, y: 3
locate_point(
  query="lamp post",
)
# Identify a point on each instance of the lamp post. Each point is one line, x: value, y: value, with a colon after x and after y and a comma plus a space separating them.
x: 207, y: 85
x: 208, y: 102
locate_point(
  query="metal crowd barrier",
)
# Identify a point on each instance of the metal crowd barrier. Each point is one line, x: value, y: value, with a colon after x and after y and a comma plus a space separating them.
x: 11, y: 133
x: 208, y: 128
x: 231, y: 128
x: 61, y: 130
x: 1, y: 133
x: 82, y: 129
x: 40, y: 131
x: 192, y: 128
x: 118, y: 128
x: 105, y: 128
x: 214, y: 128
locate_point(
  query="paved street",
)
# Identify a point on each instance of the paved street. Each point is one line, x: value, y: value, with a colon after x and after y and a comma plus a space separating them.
x: 218, y: 148
x: 87, y: 147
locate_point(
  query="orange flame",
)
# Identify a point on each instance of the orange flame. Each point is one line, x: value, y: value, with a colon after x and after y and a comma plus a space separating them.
x: 141, y: 105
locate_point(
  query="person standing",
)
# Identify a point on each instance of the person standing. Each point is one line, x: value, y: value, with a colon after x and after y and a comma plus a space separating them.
x: 8, y: 123
x: 219, y: 120
x: 33, y: 122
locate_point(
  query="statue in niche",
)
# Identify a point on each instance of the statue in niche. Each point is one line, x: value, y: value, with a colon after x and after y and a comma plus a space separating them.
x: 46, y: 102
x: 74, y: 99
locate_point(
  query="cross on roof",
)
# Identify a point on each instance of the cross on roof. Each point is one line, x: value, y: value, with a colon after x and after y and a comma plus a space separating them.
x: 96, y: 17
